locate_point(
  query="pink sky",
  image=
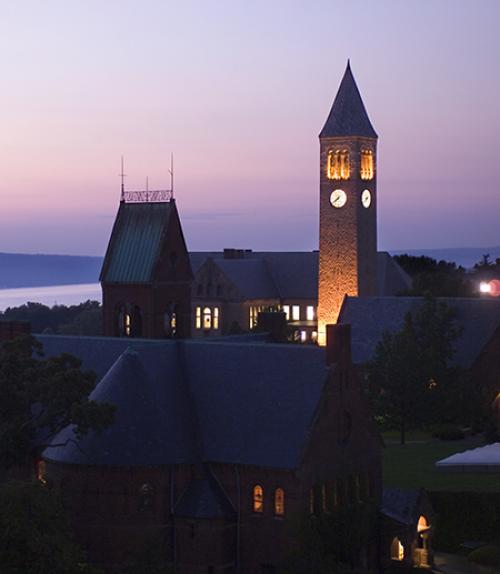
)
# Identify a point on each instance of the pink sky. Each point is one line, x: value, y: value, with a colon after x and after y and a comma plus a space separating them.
x: 239, y: 92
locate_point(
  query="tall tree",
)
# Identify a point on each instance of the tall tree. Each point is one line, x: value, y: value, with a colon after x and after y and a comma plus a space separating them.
x: 412, y: 380
x: 40, y: 396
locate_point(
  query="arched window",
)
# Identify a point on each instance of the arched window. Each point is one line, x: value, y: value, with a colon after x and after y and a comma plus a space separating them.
x: 366, y: 168
x: 258, y: 499
x: 279, y: 502
x: 423, y: 524
x: 207, y: 318
x: 338, y: 166
x: 397, y: 550
x: 127, y: 325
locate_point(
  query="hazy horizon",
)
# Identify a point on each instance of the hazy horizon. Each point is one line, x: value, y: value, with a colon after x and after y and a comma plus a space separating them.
x: 239, y: 93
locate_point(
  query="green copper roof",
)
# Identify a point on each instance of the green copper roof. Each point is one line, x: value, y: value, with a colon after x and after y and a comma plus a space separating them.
x: 135, y: 242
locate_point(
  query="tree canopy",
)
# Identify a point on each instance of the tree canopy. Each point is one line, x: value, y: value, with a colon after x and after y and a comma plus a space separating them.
x: 413, y: 381
x: 40, y: 396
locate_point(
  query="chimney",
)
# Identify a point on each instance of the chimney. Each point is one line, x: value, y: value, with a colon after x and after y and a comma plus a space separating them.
x: 274, y: 323
x: 338, y: 344
x: 9, y: 330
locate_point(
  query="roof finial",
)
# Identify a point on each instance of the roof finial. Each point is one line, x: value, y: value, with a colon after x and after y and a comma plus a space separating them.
x: 171, y: 172
x: 122, y: 176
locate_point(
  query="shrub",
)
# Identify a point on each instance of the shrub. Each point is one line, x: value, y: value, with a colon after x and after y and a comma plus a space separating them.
x: 486, y: 555
x: 447, y: 432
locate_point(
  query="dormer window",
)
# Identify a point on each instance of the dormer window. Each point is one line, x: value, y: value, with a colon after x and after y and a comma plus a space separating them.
x: 366, y: 168
x: 338, y: 164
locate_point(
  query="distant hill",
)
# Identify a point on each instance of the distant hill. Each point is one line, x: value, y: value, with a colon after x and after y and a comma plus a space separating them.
x: 22, y: 270
x: 464, y: 256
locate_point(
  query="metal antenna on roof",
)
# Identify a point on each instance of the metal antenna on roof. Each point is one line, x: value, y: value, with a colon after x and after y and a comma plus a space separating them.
x: 123, y: 176
x: 171, y: 172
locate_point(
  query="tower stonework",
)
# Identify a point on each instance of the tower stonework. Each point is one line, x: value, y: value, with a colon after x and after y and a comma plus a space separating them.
x: 348, y: 205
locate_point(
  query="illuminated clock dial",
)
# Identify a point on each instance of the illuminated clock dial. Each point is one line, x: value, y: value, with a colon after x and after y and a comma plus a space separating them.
x: 366, y: 198
x: 338, y: 198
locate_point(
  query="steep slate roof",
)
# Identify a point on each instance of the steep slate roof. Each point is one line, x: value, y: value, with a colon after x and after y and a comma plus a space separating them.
x: 190, y: 401
x: 291, y: 274
x: 371, y: 316
x: 136, y: 241
x: 348, y: 115
x: 401, y: 504
x: 204, y: 498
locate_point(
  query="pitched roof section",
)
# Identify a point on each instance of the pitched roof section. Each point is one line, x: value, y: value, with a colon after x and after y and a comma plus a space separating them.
x: 153, y: 419
x: 186, y: 402
x: 348, y: 115
x: 204, y: 498
x: 370, y: 317
x: 401, y: 504
x: 136, y: 241
x: 291, y: 274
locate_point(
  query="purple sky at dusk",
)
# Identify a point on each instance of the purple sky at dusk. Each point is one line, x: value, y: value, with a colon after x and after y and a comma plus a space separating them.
x: 239, y: 92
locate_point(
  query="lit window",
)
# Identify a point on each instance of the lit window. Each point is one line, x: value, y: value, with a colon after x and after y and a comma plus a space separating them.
x: 310, y: 313
x: 303, y: 336
x: 286, y: 310
x: 216, y: 317
x: 173, y: 323
x: 198, y: 318
x: 324, y: 500
x: 41, y: 471
x: 314, y: 336
x: 397, y: 550
x: 366, y: 170
x: 127, y: 325
x: 258, y: 498
x: 295, y: 313
x: 338, y: 164
x: 423, y: 524
x: 207, y: 318
x: 279, y: 502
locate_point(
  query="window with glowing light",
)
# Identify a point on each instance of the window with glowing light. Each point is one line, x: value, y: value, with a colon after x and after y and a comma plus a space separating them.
x: 397, y: 550
x: 41, y: 471
x: 207, y: 318
x: 198, y: 318
x: 258, y: 499
x: 279, y: 502
x: 338, y: 166
x: 366, y: 168
x: 286, y: 310
x: 423, y: 524
x: 310, y: 313
x: 127, y: 325
x: 216, y: 317
x: 295, y: 313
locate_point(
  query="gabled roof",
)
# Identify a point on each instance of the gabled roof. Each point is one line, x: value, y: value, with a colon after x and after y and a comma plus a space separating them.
x: 136, y: 241
x: 348, y: 115
x: 190, y: 401
x: 370, y: 317
x: 204, y: 498
x: 401, y: 504
x: 291, y: 274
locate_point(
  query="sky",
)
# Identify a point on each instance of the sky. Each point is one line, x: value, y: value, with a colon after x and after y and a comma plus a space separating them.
x: 238, y: 91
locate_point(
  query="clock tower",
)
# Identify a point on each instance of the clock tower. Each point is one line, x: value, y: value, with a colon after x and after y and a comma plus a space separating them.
x: 347, y: 204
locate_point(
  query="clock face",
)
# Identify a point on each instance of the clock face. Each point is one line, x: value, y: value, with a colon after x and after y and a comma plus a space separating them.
x: 366, y: 198
x: 338, y: 198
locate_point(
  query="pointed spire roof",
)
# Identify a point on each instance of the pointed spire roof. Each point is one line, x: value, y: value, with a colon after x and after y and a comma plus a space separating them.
x: 348, y: 115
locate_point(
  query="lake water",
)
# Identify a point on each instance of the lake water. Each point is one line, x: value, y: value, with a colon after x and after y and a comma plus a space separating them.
x: 57, y: 294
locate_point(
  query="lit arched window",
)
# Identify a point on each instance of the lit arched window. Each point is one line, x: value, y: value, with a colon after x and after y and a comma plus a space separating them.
x: 207, y: 318
x: 279, y: 502
x: 397, y: 550
x: 338, y: 166
x: 258, y: 498
x: 366, y: 168
x: 423, y: 523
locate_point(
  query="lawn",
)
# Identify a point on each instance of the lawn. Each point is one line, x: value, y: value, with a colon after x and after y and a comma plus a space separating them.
x: 412, y: 466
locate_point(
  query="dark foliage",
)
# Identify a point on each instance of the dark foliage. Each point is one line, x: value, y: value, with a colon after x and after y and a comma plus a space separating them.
x: 412, y: 382
x: 35, y: 537
x: 41, y: 396
x: 82, y: 319
x: 437, y: 278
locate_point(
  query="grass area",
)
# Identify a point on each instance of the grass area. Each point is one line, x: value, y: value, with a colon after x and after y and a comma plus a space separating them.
x: 412, y: 466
